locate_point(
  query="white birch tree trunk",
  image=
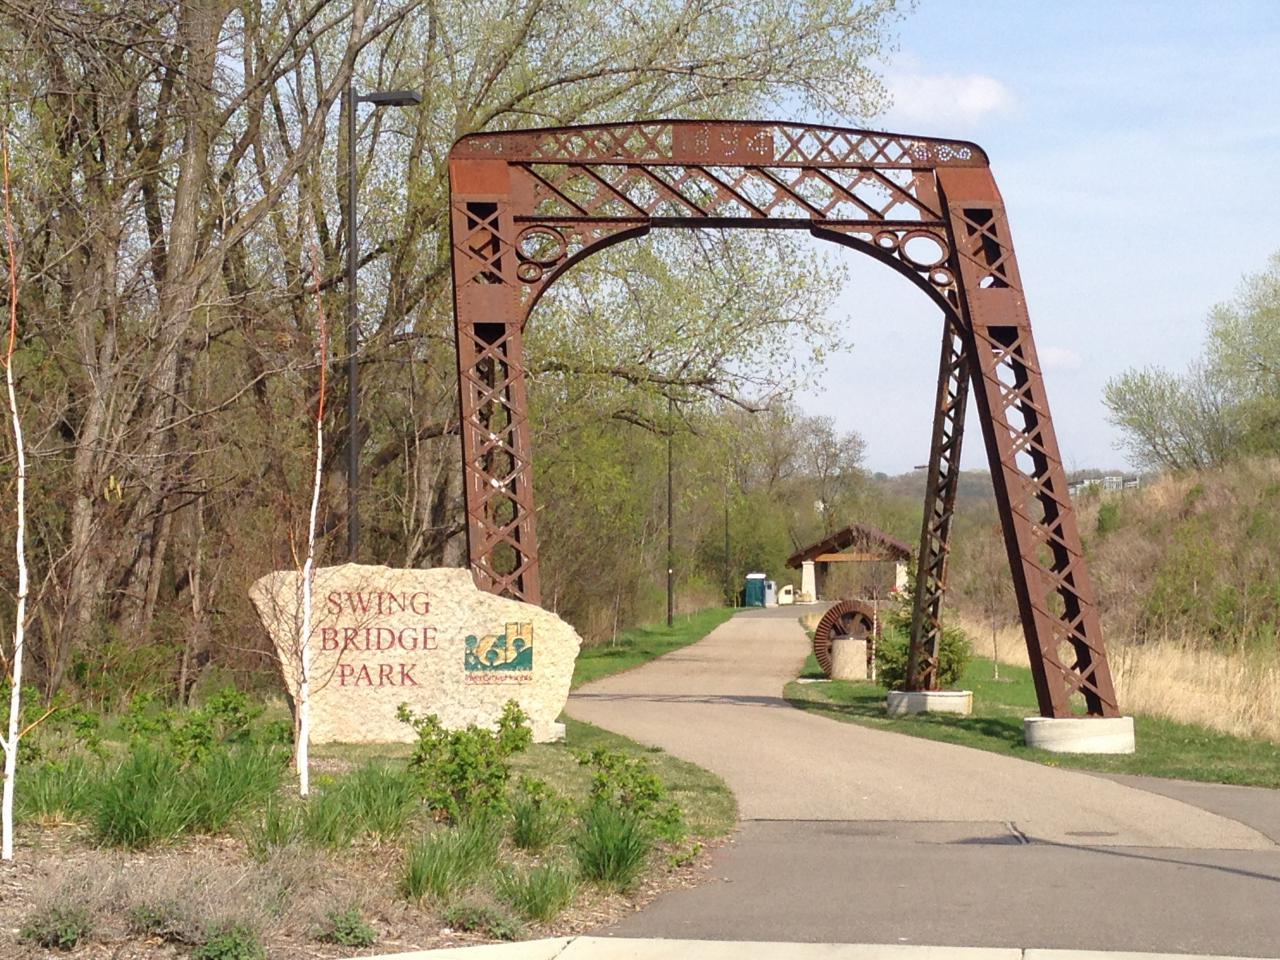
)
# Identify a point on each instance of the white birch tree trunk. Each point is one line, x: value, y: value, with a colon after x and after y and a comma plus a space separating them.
x: 303, y: 746
x: 10, y: 741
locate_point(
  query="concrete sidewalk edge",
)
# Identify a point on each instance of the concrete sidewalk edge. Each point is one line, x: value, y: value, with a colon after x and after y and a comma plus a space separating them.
x: 621, y: 948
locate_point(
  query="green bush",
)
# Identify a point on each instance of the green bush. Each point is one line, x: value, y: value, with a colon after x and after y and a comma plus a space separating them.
x: 539, y: 816
x: 539, y: 894
x: 611, y: 846
x: 56, y: 790
x: 892, y: 650
x: 448, y: 862
x: 379, y: 799
x: 143, y: 801
x: 630, y: 784
x: 347, y: 928
x: 232, y: 941
x: 326, y: 822
x: 154, y: 795
x: 463, y: 773
x: 59, y: 927
x: 479, y: 918
x: 230, y: 781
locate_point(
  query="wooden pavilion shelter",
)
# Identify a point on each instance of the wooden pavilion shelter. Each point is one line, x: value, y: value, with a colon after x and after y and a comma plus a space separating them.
x: 856, y: 543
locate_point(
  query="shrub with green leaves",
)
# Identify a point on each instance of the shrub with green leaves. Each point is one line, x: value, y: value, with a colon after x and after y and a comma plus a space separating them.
x: 539, y: 894
x: 611, y: 846
x: 347, y: 928
x: 480, y: 918
x: 463, y: 773
x: 58, y: 927
x: 231, y: 941
x: 539, y: 816
x: 892, y: 650
x: 448, y: 862
x: 630, y: 784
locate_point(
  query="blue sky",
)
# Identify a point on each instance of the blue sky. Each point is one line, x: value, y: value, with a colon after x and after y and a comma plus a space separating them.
x: 1137, y: 147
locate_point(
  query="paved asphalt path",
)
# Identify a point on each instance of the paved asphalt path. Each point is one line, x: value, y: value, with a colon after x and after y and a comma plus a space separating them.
x: 858, y: 835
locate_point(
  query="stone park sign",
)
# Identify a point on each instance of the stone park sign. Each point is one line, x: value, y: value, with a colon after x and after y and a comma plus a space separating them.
x: 430, y: 639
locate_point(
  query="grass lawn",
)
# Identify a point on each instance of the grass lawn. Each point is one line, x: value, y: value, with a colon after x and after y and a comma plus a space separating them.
x: 642, y: 644
x: 1165, y: 748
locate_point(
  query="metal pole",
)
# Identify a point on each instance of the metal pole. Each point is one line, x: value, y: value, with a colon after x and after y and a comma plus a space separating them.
x: 353, y: 344
x: 728, y: 578
x: 671, y: 548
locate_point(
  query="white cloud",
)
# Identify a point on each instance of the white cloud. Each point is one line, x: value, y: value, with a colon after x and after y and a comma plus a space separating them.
x: 947, y: 99
x: 1059, y: 358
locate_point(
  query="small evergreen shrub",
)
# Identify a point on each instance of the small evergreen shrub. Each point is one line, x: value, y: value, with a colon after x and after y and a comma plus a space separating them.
x: 611, y: 846
x: 347, y: 928
x: 232, y: 941
x: 539, y: 816
x: 892, y: 650
x: 463, y: 773
x: 479, y: 918
x: 57, y: 927
x: 448, y: 862
x: 539, y: 894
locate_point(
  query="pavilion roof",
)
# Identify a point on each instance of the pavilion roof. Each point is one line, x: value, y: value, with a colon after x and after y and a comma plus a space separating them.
x: 869, y: 539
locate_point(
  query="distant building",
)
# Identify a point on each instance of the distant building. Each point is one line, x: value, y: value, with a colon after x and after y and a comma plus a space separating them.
x: 1109, y: 484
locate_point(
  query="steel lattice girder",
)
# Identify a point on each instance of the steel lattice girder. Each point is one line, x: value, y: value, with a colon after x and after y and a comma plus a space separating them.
x: 526, y: 205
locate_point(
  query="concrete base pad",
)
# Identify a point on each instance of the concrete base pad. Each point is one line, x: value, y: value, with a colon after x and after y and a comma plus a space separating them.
x: 1080, y: 734
x: 848, y: 659
x: 903, y: 702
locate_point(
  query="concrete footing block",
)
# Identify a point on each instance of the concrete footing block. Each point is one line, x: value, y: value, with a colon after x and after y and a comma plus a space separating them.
x: 848, y: 659
x: 1080, y: 734
x: 903, y: 702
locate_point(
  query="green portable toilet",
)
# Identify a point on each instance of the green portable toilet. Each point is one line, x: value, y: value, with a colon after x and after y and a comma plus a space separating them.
x: 753, y: 595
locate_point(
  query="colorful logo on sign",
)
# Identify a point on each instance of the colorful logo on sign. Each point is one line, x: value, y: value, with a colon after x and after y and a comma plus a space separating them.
x: 501, y: 658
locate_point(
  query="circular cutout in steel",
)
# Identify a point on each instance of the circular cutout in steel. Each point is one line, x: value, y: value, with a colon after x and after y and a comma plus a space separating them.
x: 541, y: 245
x: 846, y: 618
x: 886, y: 240
x: 923, y: 249
x: 941, y: 278
x: 529, y: 272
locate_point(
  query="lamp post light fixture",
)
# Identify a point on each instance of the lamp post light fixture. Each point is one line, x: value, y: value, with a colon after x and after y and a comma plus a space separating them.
x: 379, y: 98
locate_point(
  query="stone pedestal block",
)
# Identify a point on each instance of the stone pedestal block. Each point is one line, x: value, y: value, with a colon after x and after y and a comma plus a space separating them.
x: 848, y: 659
x: 1080, y: 734
x: 430, y: 639
x: 903, y: 702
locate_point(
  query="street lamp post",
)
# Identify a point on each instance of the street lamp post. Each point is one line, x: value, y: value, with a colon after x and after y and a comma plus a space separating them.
x: 379, y: 98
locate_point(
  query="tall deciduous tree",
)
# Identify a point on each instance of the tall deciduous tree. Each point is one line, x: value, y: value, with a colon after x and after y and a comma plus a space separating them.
x: 171, y: 152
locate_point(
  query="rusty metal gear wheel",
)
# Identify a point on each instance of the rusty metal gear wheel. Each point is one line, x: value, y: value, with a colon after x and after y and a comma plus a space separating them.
x: 845, y: 618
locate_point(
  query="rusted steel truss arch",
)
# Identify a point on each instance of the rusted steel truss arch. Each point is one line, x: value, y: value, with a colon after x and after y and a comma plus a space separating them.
x: 527, y: 205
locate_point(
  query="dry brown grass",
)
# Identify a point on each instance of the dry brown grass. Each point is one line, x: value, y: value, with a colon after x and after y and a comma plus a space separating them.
x: 1233, y: 693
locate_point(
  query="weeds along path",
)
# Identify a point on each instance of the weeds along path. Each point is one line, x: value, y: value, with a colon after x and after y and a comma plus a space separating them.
x: 718, y: 703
